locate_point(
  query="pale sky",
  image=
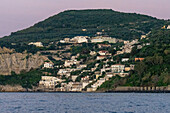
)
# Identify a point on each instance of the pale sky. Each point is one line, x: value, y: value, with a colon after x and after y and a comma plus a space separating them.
x: 18, y: 14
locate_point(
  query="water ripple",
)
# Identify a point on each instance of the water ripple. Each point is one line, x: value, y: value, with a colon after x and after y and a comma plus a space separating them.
x: 84, y: 103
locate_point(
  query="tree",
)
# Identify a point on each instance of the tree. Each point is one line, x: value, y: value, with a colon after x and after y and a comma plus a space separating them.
x: 134, y: 51
x: 140, y: 68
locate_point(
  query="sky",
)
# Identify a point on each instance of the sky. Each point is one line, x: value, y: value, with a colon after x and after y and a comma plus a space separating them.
x: 19, y: 14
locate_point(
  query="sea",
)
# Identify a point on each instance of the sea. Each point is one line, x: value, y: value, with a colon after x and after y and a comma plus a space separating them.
x: 84, y: 102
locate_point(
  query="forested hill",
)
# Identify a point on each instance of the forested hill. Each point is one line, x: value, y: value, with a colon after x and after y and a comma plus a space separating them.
x: 70, y: 23
x: 154, y: 70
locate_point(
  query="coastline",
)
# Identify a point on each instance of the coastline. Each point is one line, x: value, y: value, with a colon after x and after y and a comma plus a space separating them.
x: 86, y: 92
x: 119, y: 89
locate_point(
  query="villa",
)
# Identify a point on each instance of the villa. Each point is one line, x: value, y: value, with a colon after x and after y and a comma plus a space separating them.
x: 37, y: 44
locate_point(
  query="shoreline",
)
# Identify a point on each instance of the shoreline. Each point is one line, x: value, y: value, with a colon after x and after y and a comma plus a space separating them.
x: 119, y: 89
x: 166, y: 91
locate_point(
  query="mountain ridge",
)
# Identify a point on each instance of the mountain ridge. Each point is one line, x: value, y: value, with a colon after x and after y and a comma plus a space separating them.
x: 70, y: 23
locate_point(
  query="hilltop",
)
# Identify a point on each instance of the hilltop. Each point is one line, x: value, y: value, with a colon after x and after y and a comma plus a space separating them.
x: 88, y: 50
x: 72, y: 23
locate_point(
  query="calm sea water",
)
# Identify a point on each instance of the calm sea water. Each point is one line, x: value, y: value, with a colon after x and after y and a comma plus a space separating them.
x: 84, y: 103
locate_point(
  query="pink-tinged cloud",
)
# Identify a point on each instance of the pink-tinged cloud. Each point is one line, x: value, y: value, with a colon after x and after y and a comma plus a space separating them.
x: 19, y: 14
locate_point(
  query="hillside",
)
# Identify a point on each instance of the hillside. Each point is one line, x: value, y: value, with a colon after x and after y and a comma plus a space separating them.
x: 70, y: 23
x: 99, y: 65
x: 154, y: 70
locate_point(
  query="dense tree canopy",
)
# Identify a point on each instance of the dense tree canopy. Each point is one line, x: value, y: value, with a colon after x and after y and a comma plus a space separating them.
x: 70, y: 23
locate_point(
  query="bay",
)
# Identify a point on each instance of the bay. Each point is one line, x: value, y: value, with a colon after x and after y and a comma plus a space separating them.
x: 84, y: 103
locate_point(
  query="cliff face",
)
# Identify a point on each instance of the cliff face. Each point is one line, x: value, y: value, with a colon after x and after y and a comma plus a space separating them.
x: 8, y: 88
x: 18, y: 62
x: 6, y: 50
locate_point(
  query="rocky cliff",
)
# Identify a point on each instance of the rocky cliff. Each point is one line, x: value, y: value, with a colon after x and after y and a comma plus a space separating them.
x: 6, y: 50
x: 8, y: 88
x: 18, y: 62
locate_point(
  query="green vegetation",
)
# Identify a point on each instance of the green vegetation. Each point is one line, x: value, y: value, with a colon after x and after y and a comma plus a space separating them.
x: 70, y: 23
x: 76, y: 72
x: 154, y: 70
x: 26, y: 80
x: 56, y: 62
x: 84, y: 49
x: 82, y: 75
x: 112, y: 83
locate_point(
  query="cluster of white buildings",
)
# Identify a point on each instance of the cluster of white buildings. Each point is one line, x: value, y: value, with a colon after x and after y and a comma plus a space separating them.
x: 48, y: 65
x: 77, y: 39
x: 127, y: 48
x: 86, y: 39
x: 110, y: 71
x: 37, y: 44
x: 49, y: 82
x: 69, y: 63
x: 73, y: 64
x: 103, y: 39
x: 97, y: 84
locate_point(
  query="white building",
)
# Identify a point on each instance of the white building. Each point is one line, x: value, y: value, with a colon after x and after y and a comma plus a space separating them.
x: 82, y: 66
x: 103, y: 52
x: 67, y: 40
x: 98, y: 84
x: 125, y: 59
x: 86, y: 78
x: 168, y: 27
x: 102, y: 39
x: 37, y: 44
x: 84, y: 84
x: 92, y: 53
x: 101, y: 57
x: 76, y: 87
x: 49, y: 81
x: 109, y: 74
x: 96, y: 40
x: 80, y: 39
x: 48, y: 65
x: 139, y: 46
x: 62, y: 72
x: 66, y: 71
x: 62, y: 41
x: 84, y: 29
x: 74, y: 77
x: 143, y: 37
x: 119, y: 52
x: 69, y: 63
x: 118, y: 68
x: 126, y: 42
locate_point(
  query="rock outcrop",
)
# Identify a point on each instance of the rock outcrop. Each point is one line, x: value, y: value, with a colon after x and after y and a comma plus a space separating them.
x: 6, y: 50
x: 8, y: 88
x: 18, y: 62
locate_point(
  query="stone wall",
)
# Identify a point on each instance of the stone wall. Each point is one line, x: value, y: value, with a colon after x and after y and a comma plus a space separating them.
x: 162, y: 88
